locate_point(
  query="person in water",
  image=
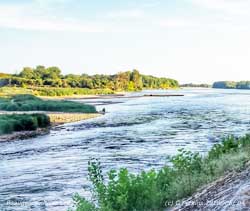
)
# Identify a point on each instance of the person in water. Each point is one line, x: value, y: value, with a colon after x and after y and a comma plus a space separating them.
x: 104, y: 110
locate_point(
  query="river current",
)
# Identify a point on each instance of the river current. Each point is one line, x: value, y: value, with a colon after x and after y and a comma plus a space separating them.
x: 43, y: 173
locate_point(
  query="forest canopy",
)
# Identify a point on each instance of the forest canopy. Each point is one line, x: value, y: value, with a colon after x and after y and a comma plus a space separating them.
x: 41, y: 76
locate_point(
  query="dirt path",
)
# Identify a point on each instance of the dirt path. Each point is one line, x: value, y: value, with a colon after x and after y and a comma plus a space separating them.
x: 230, y: 193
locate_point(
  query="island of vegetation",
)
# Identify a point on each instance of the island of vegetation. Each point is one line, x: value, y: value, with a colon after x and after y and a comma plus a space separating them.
x: 49, y: 81
x: 231, y: 85
x: 29, y: 113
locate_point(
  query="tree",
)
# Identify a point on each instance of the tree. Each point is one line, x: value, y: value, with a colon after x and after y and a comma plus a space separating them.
x: 27, y: 73
x: 137, y: 79
x: 53, y: 73
x: 123, y: 81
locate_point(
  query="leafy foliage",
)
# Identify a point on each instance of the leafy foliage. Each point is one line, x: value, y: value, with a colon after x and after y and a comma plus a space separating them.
x: 22, y: 122
x: 227, y: 145
x: 232, y: 85
x: 52, y: 77
x: 156, y: 190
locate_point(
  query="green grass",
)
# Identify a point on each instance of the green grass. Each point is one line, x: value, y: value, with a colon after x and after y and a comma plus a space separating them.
x: 8, y: 91
x: 52, y: 91
x: 44, y: 91
x: 156, y: 190
x: 32, y: 103
x: 22, y: 122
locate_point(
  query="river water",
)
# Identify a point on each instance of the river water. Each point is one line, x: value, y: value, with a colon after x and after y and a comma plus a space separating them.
x: 43, y: 173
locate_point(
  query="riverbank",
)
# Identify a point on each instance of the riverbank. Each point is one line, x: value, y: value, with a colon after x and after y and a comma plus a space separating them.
x: 230, y: 192
x: 110, y: 96
x: 56, y: 118
x: 87, y: 97
x: 187, y: 174
x: 24, y: 135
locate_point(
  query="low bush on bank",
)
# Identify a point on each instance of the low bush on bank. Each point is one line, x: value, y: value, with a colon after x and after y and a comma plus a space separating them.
x: 156, y: 190
x: 22, y: 122
x: 32, y: 103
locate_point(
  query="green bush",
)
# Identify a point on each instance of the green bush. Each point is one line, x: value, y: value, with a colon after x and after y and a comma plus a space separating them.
x: 156, y: 190
x: 22, y: 122
x: 6, y: 127
x: 227, y: 145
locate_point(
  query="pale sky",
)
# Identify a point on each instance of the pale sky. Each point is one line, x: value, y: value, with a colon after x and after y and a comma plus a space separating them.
x: 188, y: 40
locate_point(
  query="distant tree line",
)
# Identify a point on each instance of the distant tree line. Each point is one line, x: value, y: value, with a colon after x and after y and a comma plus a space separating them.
x: 41, y: 76
x: 231, y: 85
x: 196, y: 85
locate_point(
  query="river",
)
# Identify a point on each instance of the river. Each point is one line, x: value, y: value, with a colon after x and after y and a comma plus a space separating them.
x: 43, y: 173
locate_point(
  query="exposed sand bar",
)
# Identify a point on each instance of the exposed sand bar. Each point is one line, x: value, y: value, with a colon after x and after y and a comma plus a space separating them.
x: 61, y: 118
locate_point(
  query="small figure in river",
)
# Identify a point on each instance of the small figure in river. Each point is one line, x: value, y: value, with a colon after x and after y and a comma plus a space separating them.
x: 103, y: 110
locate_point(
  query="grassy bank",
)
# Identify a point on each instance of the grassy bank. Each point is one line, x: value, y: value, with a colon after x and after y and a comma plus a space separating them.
x: 156, y: 190
x: 32, y: 103
x: 53, y: 91
x: 22, y: 122
x: 58, y: 92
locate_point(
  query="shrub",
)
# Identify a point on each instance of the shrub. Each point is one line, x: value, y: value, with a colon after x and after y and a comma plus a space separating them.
x: 22, y: 122
x: 5, y: 127
x: 229, y: 144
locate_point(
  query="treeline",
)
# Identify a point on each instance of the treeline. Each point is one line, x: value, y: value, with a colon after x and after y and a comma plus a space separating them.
x: 231, y: 85
x: 41, y: 76
x: 196, y: 85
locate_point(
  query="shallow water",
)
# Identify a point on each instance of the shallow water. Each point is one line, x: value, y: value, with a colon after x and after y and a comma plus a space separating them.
x: 43, y: 173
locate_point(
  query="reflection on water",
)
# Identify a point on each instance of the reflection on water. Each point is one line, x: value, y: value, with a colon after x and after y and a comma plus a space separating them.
x: 43, y: 173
